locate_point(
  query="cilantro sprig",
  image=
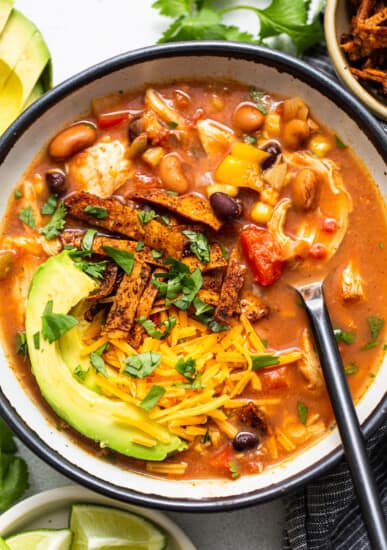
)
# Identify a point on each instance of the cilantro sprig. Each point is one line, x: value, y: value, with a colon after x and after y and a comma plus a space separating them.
x: 198, y: 20
x: 56, y: 223
x: 54, y: 325
x: 151, y: 329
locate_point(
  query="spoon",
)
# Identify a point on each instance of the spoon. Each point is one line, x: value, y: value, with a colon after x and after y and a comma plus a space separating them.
x: 363, y: 479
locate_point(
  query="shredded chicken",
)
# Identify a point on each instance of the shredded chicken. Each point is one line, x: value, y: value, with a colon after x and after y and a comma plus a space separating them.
x: 215, y: 137
x: 101, y: 169
x: 309, y: 364
x: 352, y: 284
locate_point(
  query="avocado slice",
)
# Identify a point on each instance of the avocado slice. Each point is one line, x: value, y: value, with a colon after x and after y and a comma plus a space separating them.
x: 90, y: 413
x: 37, y: 92
x: 22, y: 79
x: 5, y: 11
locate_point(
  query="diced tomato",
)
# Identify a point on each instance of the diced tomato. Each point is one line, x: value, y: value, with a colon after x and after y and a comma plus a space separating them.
x: 280, y: 109
x: 318, y: 251
x: 329, y: 225
x: 221, y: 458
x: 274, y: 379
x: 263, y: 255
x: 107, y: 120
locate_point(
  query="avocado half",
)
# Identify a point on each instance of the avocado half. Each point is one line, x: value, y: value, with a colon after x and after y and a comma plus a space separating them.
x: 90, y: 413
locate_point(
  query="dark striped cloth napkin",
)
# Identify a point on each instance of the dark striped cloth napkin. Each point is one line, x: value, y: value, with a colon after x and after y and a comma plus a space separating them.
x: 325, y: 515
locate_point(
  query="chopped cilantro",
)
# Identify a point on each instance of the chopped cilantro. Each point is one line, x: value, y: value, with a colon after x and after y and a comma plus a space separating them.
x: 54, y: 325
x: 199, y: 245
x: 225, y: 253
x: 49, y: 206
x: 343, y: 336
x: 78, y: 372
x: 94, y: 269
x: 165, y: 219
x: 340, y: 144
x: 206, y: 437
x: 233, y: 467
x: 122, y: 258
x: 252, y: 140
x: 87, y: 241
x: 152, y: 397
x: 257, y: 96
x: 261, y: 361
x: 151, y: 329
x: 36, y: 339
x: 302, y: 412
x: 172, y: 193
x: 201, y: 307
x: 375, y: 325
x: 97, y: 360
x: 139, y: 246
x: 145, y: 216
x: 156, y: 254
x: 369, y: 345
x: 351, y: 368
x: 381, y: 245
x: 26, y: 215
x: 187, y: 368
x: 96, y: 211
x: 143, y: 364
x: 178, y: 285
x: 172, y: 125
x: 195, y: 384
x: 18, y: 194
x: 21, y: 344
x: 56, y: 223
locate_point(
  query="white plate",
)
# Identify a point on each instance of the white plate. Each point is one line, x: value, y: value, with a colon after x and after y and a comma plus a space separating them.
x: 51, y: 509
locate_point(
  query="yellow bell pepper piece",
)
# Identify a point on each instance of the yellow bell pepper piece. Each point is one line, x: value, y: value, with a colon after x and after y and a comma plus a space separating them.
x: 239, y: 172
x: 246, y: 151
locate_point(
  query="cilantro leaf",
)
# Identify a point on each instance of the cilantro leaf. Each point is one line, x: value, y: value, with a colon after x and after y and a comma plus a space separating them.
x: 302, y: 412
x: 375, y: 325
x: 94, y: 269
x: 36, y: 338
x: 143, y: 364
x: 150, y: 327
x: 122, y: 258
x: 13, y: 469
x: 340, y: 144
x: 78, y: 372
x: 145, y: 216
x: 21, y: 344
x: 156, y: 254
x: 54, y: 325
x: 96, y: 211
x: 195, y: 384
x: 199, y: 245
x: 152, y: 397
x: 49, y: 206
x: 178, y: 285
x: 18, y: 194
x: 352, y: 368
x: 261, y: 361
x: 87, y: 241
x: 233, y: 467
x: 56, y: 224
x: 204, y: 314
x: 257, y: 96
x: 201, y: 307
x: 343, y: 336
x: 26, y: 215
x: 187, y: 368
x: 97, y: 360
x: 139, y: 246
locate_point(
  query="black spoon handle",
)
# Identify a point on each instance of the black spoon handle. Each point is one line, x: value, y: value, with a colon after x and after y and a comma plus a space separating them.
x: 346, y: 416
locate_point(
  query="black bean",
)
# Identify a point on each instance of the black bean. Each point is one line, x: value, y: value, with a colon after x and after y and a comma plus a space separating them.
x: 244, y: 441
x: 225, y: 207
x: 274, y: 148
x: 136, y: 128
x: 56, y: 181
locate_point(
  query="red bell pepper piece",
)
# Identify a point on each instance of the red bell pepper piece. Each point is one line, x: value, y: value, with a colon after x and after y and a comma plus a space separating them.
x: 107, y: 120
x: 263, y: 255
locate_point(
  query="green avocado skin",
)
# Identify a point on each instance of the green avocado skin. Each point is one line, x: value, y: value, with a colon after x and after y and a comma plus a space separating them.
x: 90, y: 413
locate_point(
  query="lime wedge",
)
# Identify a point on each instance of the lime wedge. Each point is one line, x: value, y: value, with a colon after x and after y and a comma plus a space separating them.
x: 102, y: 528
x: 42, y: 539
x: 3, y: 544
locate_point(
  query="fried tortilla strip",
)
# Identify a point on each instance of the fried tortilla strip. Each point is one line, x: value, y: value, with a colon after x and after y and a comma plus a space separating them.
x: 253, y: 307
x: 74, y: 238
x: 107, y: 284
x: 229, y: 293
x: 192, y: 207
x: 123, y: 219
x: 216, y: 260
x: 144, y: 309
x: 123, y: 311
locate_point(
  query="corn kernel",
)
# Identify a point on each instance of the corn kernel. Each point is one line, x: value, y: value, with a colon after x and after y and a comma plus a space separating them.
x: 261, y: 212
x: 269, y: 196
x: 153, y: 155
x: 246, y: 151
x: 230, y: 190
x: 319, y: 145
x: 272, y: 125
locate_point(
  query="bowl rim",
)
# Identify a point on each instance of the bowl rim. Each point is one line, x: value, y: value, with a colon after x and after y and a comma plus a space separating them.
x: 340, y: 63
x: 369, y: 126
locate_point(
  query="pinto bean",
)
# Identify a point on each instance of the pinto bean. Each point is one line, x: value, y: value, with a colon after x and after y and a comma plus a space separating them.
x: 248, y: 118
x: 304, y: 188
x: 71, y: 140
x: 295, y: 133
x: 172, y: 175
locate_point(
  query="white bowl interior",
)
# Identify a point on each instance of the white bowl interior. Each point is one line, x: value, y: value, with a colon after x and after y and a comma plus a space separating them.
x: 69, y: 108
